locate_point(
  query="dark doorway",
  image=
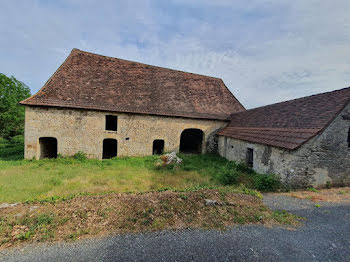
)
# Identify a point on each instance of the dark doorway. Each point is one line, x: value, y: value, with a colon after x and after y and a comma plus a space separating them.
x: 158, y: 147
x: 191, y: 141
x: 250, y: 157
x: 110, y: 147
x: 48, y: 147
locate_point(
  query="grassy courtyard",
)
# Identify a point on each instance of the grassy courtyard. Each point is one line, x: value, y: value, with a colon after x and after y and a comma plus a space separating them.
x: 71, y: 198
x: 22, y: 180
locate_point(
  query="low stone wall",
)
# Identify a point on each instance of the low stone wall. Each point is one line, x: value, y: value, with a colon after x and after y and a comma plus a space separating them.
x: 84, y: 130
x: 324, y: 158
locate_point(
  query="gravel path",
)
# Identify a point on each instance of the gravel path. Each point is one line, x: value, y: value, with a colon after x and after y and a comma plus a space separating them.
x: 324, y: 237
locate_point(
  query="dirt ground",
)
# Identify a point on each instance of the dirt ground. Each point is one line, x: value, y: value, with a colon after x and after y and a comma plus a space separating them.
x: 335, y: 195
x: 323, y: 236
x: 119, y: 213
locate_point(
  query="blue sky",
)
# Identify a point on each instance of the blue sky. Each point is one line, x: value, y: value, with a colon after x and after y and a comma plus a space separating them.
x: 266, y: 51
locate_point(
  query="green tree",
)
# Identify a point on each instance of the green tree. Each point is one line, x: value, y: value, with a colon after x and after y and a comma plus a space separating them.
x: 12, y: 92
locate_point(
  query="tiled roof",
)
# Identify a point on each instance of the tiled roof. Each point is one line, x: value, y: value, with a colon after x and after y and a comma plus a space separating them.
x: 91, y: 81
x: 288, y: 124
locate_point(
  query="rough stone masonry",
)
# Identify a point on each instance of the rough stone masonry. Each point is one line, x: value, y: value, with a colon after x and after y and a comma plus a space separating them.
x: 323, y: 159
x: 84, y: 131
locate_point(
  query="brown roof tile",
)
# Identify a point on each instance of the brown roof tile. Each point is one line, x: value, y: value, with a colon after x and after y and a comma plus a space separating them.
x: 91, y: 81
x: 288, y: 124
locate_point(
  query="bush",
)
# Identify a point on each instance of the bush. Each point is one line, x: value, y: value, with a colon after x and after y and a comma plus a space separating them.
x: 266, y: 182
x: 243, y: 168
x: 19, y: 139
x: 234, y: 174
x: 11, y: 149
x: 80, y: 156
x: 229, y: 175
x: 2, y: 140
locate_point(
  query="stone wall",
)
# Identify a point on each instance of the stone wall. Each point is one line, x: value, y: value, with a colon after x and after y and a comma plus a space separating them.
x: 84, y: 130
x: 324, y: 158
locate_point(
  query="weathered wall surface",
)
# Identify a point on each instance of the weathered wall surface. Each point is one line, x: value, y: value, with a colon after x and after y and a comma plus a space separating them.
x: 325, y: 157
x: 84, y: 130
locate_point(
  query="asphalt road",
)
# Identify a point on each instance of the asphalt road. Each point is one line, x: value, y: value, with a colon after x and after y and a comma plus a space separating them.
x: 324, y: 237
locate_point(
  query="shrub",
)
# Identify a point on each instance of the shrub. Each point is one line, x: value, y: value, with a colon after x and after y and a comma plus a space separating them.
x: 266, y: 182
x: 229, y: 175
x: 80, y: 156
x: 242, y: 167
x: 11, y: 149
x: 17, y: 139
x: 2, y: 140
x: 311, y: 189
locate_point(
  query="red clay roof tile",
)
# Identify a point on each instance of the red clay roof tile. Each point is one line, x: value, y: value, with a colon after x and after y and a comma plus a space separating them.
x: 91, y: 81
x: 288, y: 124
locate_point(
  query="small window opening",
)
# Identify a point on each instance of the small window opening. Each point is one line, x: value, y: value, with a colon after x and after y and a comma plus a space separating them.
x: 250, y: 157
x: 110, y: 147
x: 48, y: 147
x: 349, y: 137
x: 158, y: 147
x: 111, y: 123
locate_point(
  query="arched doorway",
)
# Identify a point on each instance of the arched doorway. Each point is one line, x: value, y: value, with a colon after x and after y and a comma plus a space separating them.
x: 191, y: 141
x: 48, y: 147
x: 110, y: 148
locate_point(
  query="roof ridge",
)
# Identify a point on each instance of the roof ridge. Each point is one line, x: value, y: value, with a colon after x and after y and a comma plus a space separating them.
x: 161, y: 91
x: 129, y: 61
x: 291, y: 100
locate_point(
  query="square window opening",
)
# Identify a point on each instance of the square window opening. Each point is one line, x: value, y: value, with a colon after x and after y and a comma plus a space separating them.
x: 111, y: 123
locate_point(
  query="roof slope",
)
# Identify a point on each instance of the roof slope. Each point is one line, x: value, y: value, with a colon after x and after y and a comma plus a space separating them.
x: 91, y: 81
x: 288, y: 124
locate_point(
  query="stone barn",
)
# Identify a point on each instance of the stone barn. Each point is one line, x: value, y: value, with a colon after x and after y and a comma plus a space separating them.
x: 107, y: 107
x: 306, y: 141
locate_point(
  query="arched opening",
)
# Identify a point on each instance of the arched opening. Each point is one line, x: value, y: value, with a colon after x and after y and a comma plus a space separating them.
x: 110, y: 148
x: 158, y: 147
x: 48, y: 147
x: 191, y: 141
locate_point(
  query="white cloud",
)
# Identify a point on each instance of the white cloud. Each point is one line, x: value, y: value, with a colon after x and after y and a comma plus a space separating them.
x: 265, y: 51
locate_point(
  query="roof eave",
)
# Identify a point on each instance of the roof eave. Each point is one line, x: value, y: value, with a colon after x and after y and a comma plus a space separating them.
x: 214, y: 118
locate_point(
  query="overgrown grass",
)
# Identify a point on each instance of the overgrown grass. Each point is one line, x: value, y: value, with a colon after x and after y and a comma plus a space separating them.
x: 229, y: 172
x: 121, y: 213
x: 22, y: 180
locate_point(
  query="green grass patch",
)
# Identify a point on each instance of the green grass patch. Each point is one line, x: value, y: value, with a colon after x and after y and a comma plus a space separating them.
x: 283, y: 217
x: 22, y: 180
x: 230, y: 173
x: 311, y: 189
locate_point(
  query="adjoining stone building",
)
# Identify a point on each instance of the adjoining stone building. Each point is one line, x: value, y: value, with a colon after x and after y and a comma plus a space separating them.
x: 306, y: 141
x: 107, y: 107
